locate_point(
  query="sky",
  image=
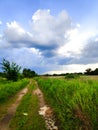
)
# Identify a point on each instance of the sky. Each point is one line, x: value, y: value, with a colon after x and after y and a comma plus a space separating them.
x: 50, y: 36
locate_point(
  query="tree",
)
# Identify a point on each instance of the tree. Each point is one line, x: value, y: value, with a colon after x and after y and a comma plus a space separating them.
x: 95, y: 72
x: 88, y: 71
x: 11, y: 70
x: 29, y: 73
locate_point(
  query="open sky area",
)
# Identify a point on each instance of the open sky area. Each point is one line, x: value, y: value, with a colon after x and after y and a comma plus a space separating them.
x: 50, y: 36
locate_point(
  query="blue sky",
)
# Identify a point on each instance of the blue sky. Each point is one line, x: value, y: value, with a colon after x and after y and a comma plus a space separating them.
x: 50, y: 36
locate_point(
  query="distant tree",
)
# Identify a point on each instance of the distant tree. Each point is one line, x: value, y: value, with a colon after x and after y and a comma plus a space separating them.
x: 29, y: 73
x: 11, y: 70
x: 95, y: 72
x: 88, y: 71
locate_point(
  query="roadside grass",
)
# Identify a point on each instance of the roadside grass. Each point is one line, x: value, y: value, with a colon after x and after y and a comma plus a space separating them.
x: 75, y: 102
x: 9, y: 88
x: 27, y: 117
x: 8, y: 93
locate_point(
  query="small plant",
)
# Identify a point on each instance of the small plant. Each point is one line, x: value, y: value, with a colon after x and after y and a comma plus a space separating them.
x: 71, y: 76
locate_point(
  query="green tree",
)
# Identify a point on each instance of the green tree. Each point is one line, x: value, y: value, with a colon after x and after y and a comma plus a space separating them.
x: 29, y: 73
x: 11, y: 70
x: 88, y: 71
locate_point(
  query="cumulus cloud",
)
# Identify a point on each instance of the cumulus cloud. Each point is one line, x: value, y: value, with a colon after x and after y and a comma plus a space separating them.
x: 47, y: 32
x: 52, y: 43
x: 90, y: 51
x: 16, y: 36
x: 50, y: 30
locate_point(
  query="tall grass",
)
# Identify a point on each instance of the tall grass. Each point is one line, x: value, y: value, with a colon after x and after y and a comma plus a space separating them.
x: 9, y: 88
x: 29, y: 106
x: 75, y: 102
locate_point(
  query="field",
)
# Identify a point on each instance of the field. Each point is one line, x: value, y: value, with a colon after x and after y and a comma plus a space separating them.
x: 74, y: 102
x: 9, y: 88
x: 29, y: 105
x: 26, y: 116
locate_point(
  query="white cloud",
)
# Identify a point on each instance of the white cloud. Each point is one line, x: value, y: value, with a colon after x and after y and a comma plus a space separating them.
x: 48, y: 29
x: 15, y: 26
x: 52, y: 43
x: 14, y: 31
x: 73, y: 68
x: 47, y: 32
x: 0, y: 22
x: 78, y: 25
x: 76, y: 43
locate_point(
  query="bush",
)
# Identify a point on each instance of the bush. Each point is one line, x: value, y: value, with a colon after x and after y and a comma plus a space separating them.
x: 11, y: 70
x: 71, y: 76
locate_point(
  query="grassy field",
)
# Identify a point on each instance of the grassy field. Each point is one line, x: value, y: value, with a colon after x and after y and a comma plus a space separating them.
x: 27, y: 117
x: 75, y: 101
x: 8, y: 93
x: 9, y: 88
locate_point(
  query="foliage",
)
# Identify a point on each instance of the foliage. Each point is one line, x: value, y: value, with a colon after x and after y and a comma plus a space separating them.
x: 29, y: 73
x: 91, y: 72
x: 11, y: 70
x: 9, y: 88
x: 27, y: 117
x: 71, y: 76
x: 75, y: 102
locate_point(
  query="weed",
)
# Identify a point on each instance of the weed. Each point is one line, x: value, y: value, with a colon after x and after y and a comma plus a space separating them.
x: 27, y: 116
x: 9, y: 88
x: 75, y: 102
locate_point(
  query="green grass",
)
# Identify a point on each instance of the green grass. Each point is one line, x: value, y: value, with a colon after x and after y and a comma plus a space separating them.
x: 30, y: 106
x: 75, y: 102
x: 9, y: 88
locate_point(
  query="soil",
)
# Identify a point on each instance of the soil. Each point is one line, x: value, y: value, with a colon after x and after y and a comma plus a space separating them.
x: 45, y: 110
x: 40, y: 96
x: 4, y: 123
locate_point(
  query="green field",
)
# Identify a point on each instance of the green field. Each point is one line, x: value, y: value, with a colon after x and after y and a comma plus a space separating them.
x: 29, y: 106
x: 9, y: 88
x: 75, y: 101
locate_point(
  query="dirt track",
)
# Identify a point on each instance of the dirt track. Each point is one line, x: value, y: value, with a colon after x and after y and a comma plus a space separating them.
x: 4, y: 123
x: 45, y: 110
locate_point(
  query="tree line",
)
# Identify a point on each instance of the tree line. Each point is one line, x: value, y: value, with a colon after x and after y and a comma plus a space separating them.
x: 11, y: 71
x: 89, y: 71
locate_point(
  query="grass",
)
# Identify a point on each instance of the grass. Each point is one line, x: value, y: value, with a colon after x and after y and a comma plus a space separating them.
x: 8, y: 93
x: 75, y: 102
x: 9, y: 88
x: 27, y: 117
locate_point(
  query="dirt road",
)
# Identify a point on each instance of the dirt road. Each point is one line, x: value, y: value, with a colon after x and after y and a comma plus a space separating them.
x: 4, y: 123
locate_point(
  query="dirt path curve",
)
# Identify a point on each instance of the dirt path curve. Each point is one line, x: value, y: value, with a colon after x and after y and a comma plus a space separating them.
x: 45, y: 110
x: 4, y: 123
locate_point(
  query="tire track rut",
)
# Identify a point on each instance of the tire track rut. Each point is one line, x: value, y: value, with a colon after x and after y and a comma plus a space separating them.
x: 4, y: 123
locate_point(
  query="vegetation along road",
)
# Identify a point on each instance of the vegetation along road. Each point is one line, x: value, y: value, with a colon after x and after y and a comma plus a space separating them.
x: 44, y: 103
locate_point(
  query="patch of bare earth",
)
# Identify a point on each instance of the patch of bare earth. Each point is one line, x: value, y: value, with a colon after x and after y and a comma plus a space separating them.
x: 45, y: 110
x: 84, y: 119
x: 4, y: 123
